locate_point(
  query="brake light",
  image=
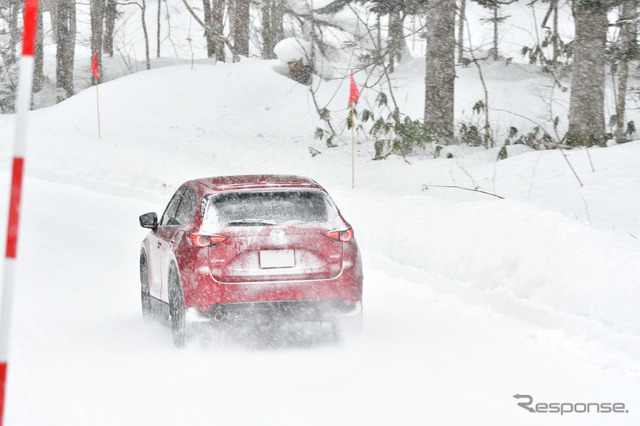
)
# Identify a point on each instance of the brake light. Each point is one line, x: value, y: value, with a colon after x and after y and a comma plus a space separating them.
x: 344, y: 236
x: 200, y: 240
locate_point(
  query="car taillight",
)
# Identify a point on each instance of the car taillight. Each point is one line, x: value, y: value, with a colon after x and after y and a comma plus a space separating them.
x: 200, y: 240
x: 344, y: 236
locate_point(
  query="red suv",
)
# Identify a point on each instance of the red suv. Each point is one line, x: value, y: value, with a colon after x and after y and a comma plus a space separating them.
x: 239, y: 247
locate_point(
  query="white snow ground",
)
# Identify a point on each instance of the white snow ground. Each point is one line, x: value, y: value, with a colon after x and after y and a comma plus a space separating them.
x: 469, y: 299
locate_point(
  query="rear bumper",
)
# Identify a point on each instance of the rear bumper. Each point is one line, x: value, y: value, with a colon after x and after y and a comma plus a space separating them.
x: 322, y: 310
x: 203, y: 292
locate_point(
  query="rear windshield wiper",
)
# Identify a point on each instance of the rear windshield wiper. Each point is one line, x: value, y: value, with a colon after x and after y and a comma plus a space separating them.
x: 252, y: 222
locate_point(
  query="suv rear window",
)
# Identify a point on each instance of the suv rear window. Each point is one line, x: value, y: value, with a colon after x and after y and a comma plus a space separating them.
x: 269, y: 208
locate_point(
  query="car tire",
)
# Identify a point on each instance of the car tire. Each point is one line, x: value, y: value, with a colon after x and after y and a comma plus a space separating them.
x: 177, y: 317
x: 145, y: 294
x: 347, y: 327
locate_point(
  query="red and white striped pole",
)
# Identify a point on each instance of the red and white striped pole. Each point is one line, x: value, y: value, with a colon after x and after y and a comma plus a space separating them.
x: 23, y: 103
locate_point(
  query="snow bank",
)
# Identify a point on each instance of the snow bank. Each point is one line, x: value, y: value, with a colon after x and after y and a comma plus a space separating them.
x: 514, y: 249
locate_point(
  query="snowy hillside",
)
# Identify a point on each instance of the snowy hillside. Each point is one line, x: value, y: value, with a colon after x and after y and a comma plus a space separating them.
x: 469, y: 299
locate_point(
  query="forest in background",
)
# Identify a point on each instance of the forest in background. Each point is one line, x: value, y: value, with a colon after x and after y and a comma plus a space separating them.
x: 583, y: 45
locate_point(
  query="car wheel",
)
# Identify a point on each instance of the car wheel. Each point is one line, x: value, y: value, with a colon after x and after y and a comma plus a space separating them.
x: 145, y: 295
x: 347, y: 327
x: 179, y: 326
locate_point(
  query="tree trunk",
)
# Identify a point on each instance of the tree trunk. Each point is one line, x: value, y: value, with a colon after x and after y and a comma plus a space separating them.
x: 231, y: 18
x: 53, y: 13
x: 38, y: 57
x: 267, y: 31
x: 97, y: 14
x: 461, y: 19
x: 277, y: 20
x: 496, y: 20
x: 556, y: 53
x: 627, y: 45
x: 14, y: 32
x: 440, y: 69
x: 147, y: 55
x: 214, y: 19
x: 314, y: 44
x: 586, y: 107
x: 158, y: 23
x: 217, y: 11
x: 72, y: 37
x: 379, y: 49
x: 110, y: 15
x: 66, y: 39
x: 241, y: 27
x: 396, y: 46
x: 208, y: 20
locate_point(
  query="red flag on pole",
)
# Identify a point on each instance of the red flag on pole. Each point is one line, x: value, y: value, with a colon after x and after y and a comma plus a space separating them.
x: 353, y: 92
x: 96, y: 73
x: 94, y: 66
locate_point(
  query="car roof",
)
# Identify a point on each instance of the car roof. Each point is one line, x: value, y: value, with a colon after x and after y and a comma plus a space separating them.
x: 217, y: 184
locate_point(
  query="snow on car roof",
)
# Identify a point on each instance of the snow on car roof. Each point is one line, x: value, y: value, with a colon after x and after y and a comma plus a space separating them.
x: 249, y: 182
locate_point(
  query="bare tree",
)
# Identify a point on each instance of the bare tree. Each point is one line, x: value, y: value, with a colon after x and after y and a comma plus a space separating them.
x: 267, y: 42
x: 627, y: 47
x: 272, y: 26
x: 38, y: 61
x: 158, y: 22
x: 52, y: 7
x: 440, y: 69
x: 495, y: 20
x: 586, y: 108
x: 396, y: 11
x: 9, y: 39
x: 145, y: 33
x: 217, y: 11
x: 214, y: 21
x: 553, y: 10
x: 241, y: 27
x: 213, y: 25
x: 396, y: 37
x: 461, y: 19
x: 110, y: 15
x: 66, y: 42
x: 14, y: 31
x: 214, y: 31
x: 208, y: 20
x: 143, y: 10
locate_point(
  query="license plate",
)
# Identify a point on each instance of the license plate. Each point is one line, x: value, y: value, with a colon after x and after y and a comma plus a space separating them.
x: 277, y: 259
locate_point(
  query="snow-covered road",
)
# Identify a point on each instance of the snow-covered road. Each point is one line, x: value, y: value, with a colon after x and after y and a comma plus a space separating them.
x: 432, y: 352
x: 469, y: 300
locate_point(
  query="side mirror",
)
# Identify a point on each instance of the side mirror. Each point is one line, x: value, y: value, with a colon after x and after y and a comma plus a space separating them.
x: 149, y: 220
